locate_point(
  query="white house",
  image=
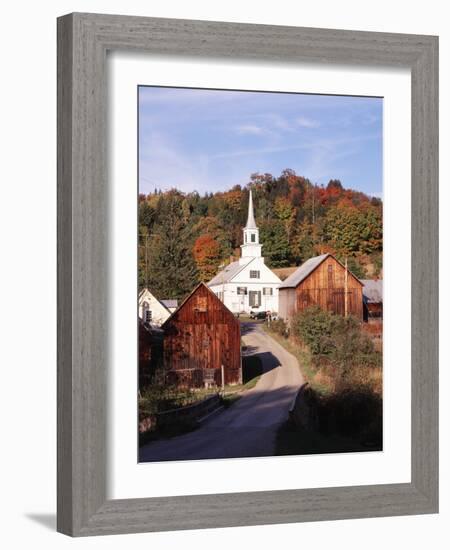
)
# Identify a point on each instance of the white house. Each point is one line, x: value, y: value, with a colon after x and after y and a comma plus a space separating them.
x: 248, y: 284
x: 151, y: 310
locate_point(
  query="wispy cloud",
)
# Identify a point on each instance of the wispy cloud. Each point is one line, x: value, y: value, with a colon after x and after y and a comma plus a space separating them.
x: 250, y: 129
x: 208, y: 140
x: 306, y: 122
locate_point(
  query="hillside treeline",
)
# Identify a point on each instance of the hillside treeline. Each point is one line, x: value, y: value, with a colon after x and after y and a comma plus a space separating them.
x: 184, y: 238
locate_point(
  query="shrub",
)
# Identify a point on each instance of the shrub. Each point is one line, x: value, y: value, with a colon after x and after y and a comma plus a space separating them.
x: 350, y: 346
x: 279, y: 326
x: 340, y: 350
x: 314, y: 327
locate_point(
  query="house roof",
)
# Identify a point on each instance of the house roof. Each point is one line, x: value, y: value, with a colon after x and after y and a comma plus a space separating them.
x: 306, y: 269
x: 162, y: 302
x: 169, y: 303
x: 283, y: 272
x: 373, y: 290
x: 227, y: 274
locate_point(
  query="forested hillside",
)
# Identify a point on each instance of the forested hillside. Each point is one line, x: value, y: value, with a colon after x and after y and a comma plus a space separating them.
x: 185, y: 237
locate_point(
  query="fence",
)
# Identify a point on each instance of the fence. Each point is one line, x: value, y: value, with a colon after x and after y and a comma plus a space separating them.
x: 189, y: 416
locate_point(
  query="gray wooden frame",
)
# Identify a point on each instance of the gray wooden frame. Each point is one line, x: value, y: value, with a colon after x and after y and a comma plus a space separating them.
x: 83, y: 41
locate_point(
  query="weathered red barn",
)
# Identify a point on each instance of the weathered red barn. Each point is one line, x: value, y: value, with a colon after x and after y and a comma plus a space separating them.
x: 150, y: 352
x: 321, y: 281
x: 202, y: 339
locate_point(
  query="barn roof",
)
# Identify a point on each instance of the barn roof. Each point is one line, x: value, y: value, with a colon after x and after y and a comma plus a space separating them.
x: 303, y: 271
x: 166, y: 322
x: 306, y: 269
x: 227, y: 274
x: 373, y: 290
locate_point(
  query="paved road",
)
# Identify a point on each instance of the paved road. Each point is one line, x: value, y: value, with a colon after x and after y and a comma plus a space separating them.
x: 248, y: 428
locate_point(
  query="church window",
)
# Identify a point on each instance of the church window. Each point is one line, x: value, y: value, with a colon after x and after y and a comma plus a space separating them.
x: 253, y: 237
x: 254, y: 274
x: 268, y: 291
x: 148, y: 316
x: 242, y: 290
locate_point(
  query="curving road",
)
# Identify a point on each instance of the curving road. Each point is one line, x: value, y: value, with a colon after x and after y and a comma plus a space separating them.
x: 248, y: 428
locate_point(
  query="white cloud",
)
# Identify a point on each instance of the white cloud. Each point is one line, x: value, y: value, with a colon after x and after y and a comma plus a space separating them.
x: 305, y: 122
x: 251, y: 129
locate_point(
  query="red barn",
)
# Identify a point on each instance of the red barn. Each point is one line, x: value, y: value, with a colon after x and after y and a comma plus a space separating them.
x: 202, y: 339
x: 321, y: 281
x: 150, y: 352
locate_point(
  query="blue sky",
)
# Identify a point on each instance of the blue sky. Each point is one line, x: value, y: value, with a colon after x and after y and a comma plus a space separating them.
x: 210, y: 140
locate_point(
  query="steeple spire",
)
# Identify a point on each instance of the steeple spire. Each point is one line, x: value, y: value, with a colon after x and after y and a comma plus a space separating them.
x: 250, y: 247
x: 251, y: 218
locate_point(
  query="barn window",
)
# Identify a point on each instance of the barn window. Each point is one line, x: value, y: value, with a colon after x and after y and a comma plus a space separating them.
x: 330, y: 274
x: 202, y: 304
x: 254, y: 274
x: 268, y: 291
x: 148, y: 316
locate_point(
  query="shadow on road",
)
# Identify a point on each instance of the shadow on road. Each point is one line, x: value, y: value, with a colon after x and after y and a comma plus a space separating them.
x: 247, y: 429
x: 249, y: 326
x: 268, y: 360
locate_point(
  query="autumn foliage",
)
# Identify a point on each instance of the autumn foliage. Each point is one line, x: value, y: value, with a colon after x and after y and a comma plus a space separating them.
x: 297, y: 219
x: 207, y: 256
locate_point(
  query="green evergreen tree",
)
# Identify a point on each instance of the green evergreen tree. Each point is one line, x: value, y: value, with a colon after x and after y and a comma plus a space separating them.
x: 172, y: 271
x: 275, y: 244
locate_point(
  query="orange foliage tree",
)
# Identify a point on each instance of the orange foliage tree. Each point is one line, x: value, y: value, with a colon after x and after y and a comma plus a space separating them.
x: 206, y: 253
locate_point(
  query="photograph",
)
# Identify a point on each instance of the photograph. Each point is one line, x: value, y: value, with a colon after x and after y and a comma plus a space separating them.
x: 260, y: 273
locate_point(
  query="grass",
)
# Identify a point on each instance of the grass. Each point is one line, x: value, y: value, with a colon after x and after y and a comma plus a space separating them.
x: 348, y: 407
x: 157, y: 399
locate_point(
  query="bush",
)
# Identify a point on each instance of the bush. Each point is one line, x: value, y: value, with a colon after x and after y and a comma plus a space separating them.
x: 279, y: 326
x: 314, y: 327
x: 356, y: 413
x: 343, y: 353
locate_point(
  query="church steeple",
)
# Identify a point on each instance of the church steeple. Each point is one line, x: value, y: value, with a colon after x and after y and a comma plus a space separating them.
x: 250, y: 218
x: 251, y: 247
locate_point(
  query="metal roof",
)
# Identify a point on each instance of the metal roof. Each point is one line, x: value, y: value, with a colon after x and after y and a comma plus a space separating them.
x: 303, y: 271
x: 373, y: 290
x: 169, y: 303
x: 227, y: 274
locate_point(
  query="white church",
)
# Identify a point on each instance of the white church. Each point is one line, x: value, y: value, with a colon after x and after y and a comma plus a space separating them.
x: 248, y: 284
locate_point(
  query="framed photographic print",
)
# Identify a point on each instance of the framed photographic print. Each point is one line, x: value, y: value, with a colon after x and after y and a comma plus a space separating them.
x: 247, y: 284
